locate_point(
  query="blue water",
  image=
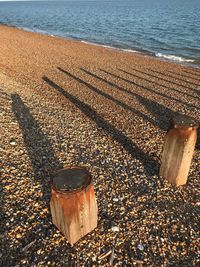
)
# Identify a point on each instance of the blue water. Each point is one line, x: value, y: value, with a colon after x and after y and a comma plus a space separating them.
x: 169, y: 29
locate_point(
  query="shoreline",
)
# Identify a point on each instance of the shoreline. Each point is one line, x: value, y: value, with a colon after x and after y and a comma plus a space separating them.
x: 160, y: 56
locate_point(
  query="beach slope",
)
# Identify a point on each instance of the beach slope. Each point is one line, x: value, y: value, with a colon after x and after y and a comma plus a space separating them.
x: 65, y: 103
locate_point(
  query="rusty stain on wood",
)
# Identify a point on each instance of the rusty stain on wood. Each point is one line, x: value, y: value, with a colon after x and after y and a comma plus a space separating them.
x: 73, y: 203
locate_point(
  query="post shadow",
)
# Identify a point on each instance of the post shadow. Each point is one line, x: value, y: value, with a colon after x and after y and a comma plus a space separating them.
x: 162, y: 113
x: 154, y: 91
x: 185, y: 75
x: 43, y: 162
x: 116, y: 101
x: 195, y: 73
x: 2, y: 194
x: 172, y: 77
x: 182, y: 78
x: 38, y: 145
x: 198, y: 138
x: 2, y: 215
x: 166, y: 80
x: 150, y: 165
x: 159, y: 93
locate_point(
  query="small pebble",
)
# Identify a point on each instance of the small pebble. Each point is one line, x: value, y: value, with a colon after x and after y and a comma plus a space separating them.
x: 13, y: 143
x: 140, y: 246
x: 115, y: 228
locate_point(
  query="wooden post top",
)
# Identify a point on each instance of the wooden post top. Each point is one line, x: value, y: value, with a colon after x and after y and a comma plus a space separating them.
x: 183, y: 121
x: 71, y: 179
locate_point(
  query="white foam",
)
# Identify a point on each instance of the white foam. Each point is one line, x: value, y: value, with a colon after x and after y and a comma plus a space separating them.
x: 174, y: 58
x: 106, y: 46
x: 131, y: 51
x: 110, y: 47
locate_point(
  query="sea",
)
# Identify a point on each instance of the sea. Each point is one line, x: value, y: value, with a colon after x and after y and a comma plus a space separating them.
x: 168, y: 29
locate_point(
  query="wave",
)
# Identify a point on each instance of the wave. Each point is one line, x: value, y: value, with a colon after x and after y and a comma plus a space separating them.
x: 111, y: 47
x: 174, y: 58
x: 130, y: 50
x: 96, y: 44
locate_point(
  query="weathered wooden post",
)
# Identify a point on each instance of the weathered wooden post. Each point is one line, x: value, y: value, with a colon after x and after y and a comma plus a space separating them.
x: 73, y: 203
x: 178, y: 149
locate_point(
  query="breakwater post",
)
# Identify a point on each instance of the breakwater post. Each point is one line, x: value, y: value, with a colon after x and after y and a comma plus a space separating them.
x: 73, y: 203
x: 178, y: 149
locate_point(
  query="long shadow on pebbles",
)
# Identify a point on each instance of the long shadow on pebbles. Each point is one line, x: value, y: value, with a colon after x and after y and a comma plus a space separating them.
x: 108, y: 96
x: 161, y: 113
x: 150, y: 165
x: 198, y: 139
x: 37, y: 143
x: 43, y: 162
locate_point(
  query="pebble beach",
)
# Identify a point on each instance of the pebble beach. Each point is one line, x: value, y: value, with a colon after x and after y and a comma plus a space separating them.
x: 66, y: 103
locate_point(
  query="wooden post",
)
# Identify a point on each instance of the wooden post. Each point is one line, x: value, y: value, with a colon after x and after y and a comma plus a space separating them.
x: 73, y: 203
x: 178, y: 149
